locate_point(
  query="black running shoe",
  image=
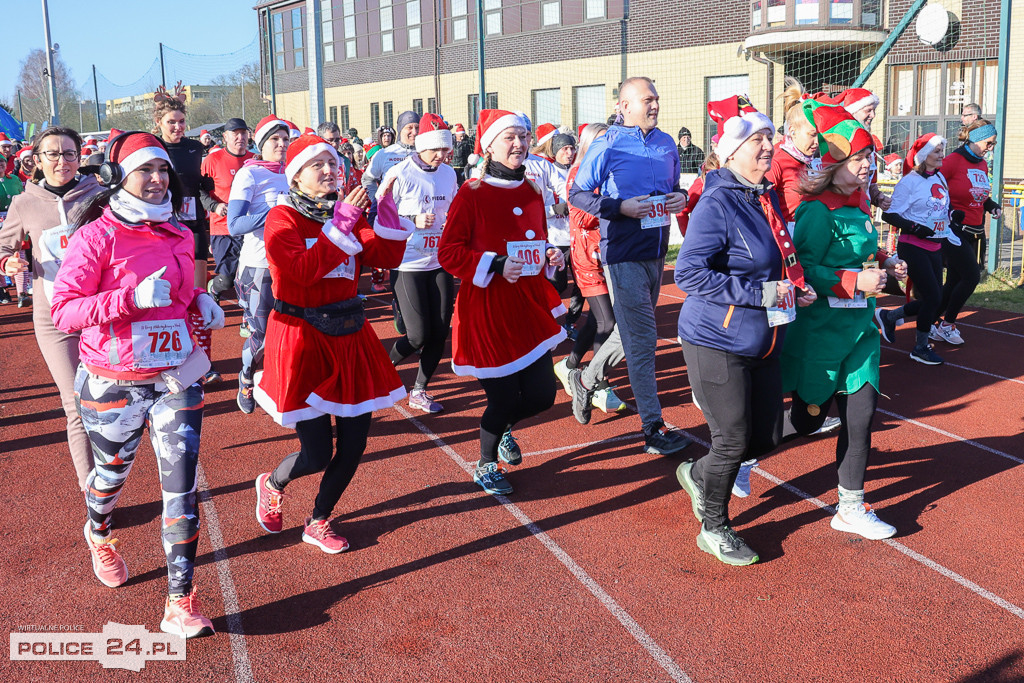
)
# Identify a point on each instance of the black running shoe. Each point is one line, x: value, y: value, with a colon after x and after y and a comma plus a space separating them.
x: 661, y: 440
x: 582, y: 397
x: 926, y: 354
x: 887, y: 326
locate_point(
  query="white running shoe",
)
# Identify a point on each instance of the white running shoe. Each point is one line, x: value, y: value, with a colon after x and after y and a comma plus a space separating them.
x: 606, y: 401
x: 741, y: 489
x: 862, y: 520
x: 946, y: 332
x: 562, y: 373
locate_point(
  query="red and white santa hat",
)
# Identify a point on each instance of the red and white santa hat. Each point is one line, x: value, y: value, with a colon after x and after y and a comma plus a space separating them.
x: 302, y: 151
x: 737, y: 120
x: 493, y: 121
x: 920, y: 150
x: 267, y: 126
x: 855, y: 99
x: 5, y: 139
x: 24, y: 152
x: 433, y: 134
x: 203, y: 132
x: 458, y: 128
x: 545, y: 132
x: 293, y: 130
x: 134, y: 150
x: 891, y: 159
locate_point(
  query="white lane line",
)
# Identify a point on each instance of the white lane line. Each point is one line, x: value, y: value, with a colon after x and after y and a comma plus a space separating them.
x: 963, y: 367
x: 613, y: 439
x: 989, y: 328
x: 956, y: 437
x: 236, y: 635
x: 628, y: 622
x: 912, y: 554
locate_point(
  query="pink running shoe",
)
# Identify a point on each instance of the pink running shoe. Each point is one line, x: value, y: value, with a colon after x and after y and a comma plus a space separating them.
x: 182, y: 617
x: 107, y: 563
x: 268, y: 505
x: 322, y: 536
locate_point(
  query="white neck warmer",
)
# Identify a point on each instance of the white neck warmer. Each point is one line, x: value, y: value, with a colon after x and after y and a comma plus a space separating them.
x: 134, y: 210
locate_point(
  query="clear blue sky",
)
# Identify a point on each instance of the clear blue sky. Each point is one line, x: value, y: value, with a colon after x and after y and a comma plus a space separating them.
x: 120, y: 36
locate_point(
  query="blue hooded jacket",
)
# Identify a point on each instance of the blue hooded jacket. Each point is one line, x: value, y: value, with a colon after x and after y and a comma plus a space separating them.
x: 622, y: 164
x: 728, y: 255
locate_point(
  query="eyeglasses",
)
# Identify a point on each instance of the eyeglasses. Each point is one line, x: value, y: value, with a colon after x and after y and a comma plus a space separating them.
x: 68, y: 154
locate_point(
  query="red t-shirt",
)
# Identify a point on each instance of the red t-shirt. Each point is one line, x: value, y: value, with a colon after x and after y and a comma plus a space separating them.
x: 969, y: 186
x: 785, y: 176
x: 222, y: 166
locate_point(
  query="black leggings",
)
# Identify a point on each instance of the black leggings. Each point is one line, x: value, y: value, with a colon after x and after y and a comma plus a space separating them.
x: 561, y: 281
x: 925, y: 270
x: 599, y: 326
x: 512, y: 398
x: 426, y: 300
x: 856, y: 411
x: 741, y: 398
x: 962, y: 275
x: 314, y: 455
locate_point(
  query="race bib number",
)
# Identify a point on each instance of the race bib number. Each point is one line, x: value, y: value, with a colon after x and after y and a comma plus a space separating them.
x: 425, y: 241
x: 53, y: 244
x: 533, y: 254
x: 188, y: 209
x: 859, y: 300
x: 658, y: 215
x: 347, y: 268
x: 160, y: 343
x: 784, y: 310
x: 941, y: 230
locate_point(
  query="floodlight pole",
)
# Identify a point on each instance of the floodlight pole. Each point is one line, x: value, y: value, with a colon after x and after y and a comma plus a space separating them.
x: 50, y: 75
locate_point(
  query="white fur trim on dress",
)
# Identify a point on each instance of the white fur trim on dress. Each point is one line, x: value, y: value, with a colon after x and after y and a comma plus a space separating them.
x: 398, y: 234
x: 855, y: 107
x: 500, y: 124
x: 559, y: 310
x: 501, y: 182
x: 928, y: 147
x: 346, y: 242
x: 483, y: 276
x: 141, y: 156
x: 516, y: 365
x: 354, y: 409
x: 435, y: 139
x: 303, y: 157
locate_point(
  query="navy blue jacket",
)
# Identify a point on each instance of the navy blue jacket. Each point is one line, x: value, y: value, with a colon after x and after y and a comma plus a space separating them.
x: 727, y: 256
x: 623, y: 164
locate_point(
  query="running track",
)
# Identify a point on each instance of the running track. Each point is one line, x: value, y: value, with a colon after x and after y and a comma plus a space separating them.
x: 588, y: 573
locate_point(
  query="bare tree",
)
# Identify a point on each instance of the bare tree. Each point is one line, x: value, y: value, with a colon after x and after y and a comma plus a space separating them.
x: 247, y: 80
x: 35, y: 93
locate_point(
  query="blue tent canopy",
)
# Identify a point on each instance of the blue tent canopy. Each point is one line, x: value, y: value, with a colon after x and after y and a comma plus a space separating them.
x: 11, y: 126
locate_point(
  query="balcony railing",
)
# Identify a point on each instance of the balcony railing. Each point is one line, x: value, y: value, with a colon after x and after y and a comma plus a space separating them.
x: 775, y: 15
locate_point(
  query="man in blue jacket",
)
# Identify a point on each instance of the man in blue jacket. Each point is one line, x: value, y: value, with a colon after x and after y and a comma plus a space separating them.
x: 635, y: 170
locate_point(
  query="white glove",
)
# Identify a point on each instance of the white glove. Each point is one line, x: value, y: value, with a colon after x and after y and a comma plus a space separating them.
x: 213, y: 314
x: 153, y: 292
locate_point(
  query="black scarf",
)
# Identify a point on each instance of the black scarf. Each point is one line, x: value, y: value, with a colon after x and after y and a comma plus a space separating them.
x: 320, y: 210
x: 63, y: 189
x: 503, y: 172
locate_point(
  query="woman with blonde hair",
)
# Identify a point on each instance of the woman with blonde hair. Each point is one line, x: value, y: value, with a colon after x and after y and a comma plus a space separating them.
x: 798, y: 150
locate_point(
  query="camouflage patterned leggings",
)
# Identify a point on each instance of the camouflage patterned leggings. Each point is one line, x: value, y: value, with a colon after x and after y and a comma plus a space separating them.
x: 114, y: 417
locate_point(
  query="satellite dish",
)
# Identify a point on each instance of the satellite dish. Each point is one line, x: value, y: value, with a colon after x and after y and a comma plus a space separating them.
x: 933, y: 24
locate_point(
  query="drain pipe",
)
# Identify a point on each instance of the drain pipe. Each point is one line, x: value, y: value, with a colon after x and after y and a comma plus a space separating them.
x: 769, y: 81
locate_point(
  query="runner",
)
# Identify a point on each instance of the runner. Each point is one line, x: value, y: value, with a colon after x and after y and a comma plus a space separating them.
x: 796, y: 153
x: 392, y: 151
x: 10, y: 187
x: 26, y: 165
x: 462, y: 148
x: 254, y: 191
x: 46, y: 214
x: 862, y: 104
x: 126, y: 283
x: 831, y: 352
x: 920, y: 209
x: 742, y: 281
x: 635, y: 168
x: 321, y: 359
x: 599, y: 332
x: 423, y: 189
x: 504, y: 327
x: 970, y: 193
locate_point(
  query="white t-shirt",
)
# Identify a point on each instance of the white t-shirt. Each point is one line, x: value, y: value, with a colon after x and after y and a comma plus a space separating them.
x: 925, y: 201
x: 382, y: 162
x: 417, y: 191
x: 260, y: 187
x: 551, y: 182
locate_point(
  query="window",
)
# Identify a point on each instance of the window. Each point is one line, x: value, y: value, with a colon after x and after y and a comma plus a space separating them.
x: 776, y: 12
x: 412, y: 21
x: 718, y: 88
x: 417, y: 106
x: 806, y: 12
x: 929, y: 89
x: 755, y: 15
x: 595, y: 9
x: 870, y: 12
x: 327, y: 29
x: 474, y: 105
x: 841, y: 12
x: 432, y: 105
x: 550, y: 13
x: 389, y: 116
x: 344, y: 123
x: 374, y: 116
x: 350, y: 49
x: 297, y: 41
x: 387, y: 42
x: 348, y: 8
x: 493, y: 25
x: 333, y: 114
x: 903, y: 89
x: 387, y: 25
x: 278, y: 25
x: 547, y: 105
x: 588, y: 104
x: 460, y: 22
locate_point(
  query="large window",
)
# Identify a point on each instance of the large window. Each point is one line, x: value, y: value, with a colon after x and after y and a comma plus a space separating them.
x: 588, y: 105
x: 349, y: 9
x: 387, y: 25
x: 417, y: 106
x: 806, y: 11
x: 332, y: 115
x: 460, y: 20
x: 551, y: 13
x: 389, y: 114
x: 595, y: 9
x: 278, y: 25
x: 412, y: 22
x: 327, y: 29
x: 374, y: 116
x: 547, y: 106
x: 474, y: 106
x: 432, y: 105
x: 719, y: 88
x: 492, y: 17
x: 344, y: 122
x: 297, y: 38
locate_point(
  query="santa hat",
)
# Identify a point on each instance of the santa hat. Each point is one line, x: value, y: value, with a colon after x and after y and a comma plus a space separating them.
x: 920, y: 150
x: 203, y: 132
x: 579, y: 130
x: 27, y: 151
x: 134, y: 150
x: 458, y: 128
x: 267, y: 126
x: 855, y: 99
x: 308, y: 131
x: 4, y: 138
x: 545, y: 132
x: 293, y: 130
x: 492, y: 122
x: 737, y: 120
x: 89, y: 148
x: 433, y: 133
x: 90, y: 141
x: 839, y: 134
x: 891, y: 159
x: 303, y: 150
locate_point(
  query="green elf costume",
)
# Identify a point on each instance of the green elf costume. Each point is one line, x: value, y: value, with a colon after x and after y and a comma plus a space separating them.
x: 9, y: 186
x: 831, y: 351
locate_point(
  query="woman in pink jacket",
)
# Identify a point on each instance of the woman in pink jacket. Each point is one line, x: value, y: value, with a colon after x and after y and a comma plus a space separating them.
x: 127, y: 285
